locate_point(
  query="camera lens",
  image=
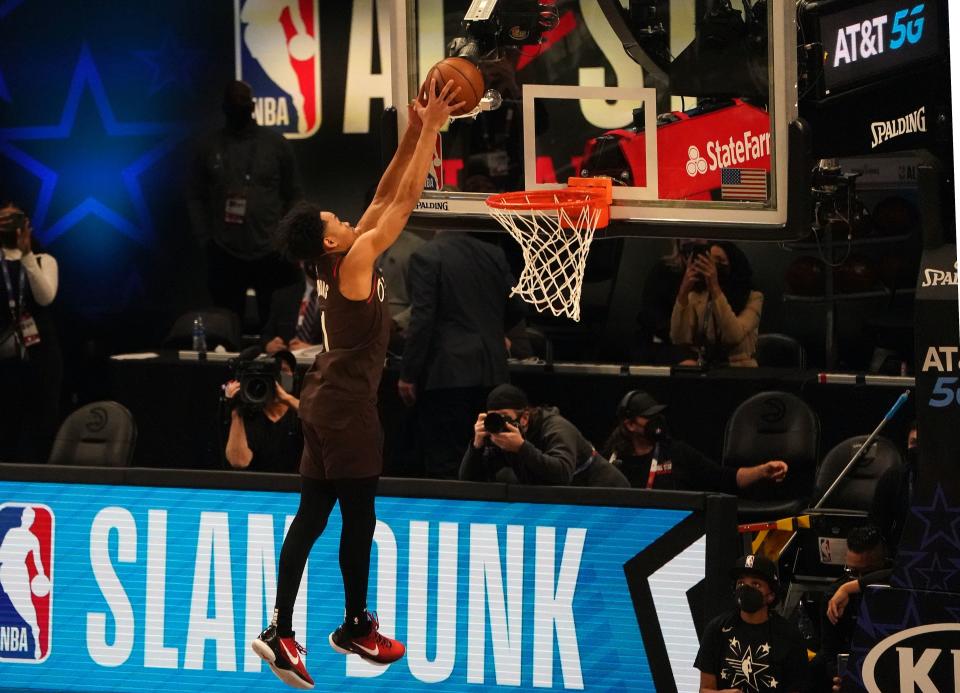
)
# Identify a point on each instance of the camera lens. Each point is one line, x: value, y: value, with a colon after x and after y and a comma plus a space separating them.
x: 256, y: 390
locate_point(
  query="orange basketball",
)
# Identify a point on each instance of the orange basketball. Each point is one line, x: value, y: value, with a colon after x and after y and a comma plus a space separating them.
x: 463, y: 74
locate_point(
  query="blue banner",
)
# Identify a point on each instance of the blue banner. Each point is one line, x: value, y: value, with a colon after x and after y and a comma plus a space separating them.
x: 163, y: 589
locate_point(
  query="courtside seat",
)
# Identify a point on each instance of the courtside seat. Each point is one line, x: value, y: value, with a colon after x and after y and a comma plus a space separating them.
x: 775, y: 350
x: 773, y: 426
x: 857, y: 489
x: 100, y: 434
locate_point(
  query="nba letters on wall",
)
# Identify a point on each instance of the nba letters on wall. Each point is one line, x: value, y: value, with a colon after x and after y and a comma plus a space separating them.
x: 127, y: 588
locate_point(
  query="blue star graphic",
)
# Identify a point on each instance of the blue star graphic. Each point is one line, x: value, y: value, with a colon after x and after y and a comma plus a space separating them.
x: 941, y: 520
x: 170, y: 64
x: 936, y: 576
x: 96, y: 180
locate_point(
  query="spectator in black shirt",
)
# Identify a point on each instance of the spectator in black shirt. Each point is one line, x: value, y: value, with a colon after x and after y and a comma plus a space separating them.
x: 643, y: 450
x: 751, y: 648
x: 532, y: 445
x: 244, y: 179
x: 267, y: 439
x: 866, y: 564
x: 892, y: 496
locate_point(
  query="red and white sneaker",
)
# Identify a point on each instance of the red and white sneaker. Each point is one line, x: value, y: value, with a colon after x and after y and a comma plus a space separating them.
x: 284, y: 655
x: 375, y: 648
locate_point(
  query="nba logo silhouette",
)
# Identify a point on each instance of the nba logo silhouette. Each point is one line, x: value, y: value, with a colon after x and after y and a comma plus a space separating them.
x: 26, y: 575
x: 278, y: 55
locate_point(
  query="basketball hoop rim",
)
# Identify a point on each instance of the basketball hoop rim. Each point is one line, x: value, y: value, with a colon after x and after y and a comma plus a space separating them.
x: 530, y: 200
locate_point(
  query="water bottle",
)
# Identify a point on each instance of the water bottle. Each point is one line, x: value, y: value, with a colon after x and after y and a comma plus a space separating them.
x: 199, y: 337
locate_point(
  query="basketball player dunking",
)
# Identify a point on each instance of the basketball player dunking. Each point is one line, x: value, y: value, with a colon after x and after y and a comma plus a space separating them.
x: 342, y: 456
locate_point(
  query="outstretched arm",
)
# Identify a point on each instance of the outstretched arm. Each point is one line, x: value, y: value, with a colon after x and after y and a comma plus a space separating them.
x: 390, y: 181
x: 357, y: 268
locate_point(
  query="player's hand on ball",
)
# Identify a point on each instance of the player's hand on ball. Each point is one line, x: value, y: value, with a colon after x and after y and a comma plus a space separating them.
x: 439, y: 107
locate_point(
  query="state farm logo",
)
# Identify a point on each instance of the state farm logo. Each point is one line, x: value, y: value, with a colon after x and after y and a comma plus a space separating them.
x: 924, y: 657
x: 730, y: 154
x: 697, y: 163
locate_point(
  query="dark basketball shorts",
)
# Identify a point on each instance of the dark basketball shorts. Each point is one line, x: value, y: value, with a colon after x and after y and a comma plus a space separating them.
x: 351, y: 449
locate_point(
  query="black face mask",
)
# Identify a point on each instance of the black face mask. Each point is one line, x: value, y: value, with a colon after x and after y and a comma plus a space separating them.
x: 913, y: 455
x: 656, y: 429
x: 239, y: 115
x: 749, y: 599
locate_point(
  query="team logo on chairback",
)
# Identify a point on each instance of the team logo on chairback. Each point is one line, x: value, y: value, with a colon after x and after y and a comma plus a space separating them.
x: 278, y: 54
x: 26, y: 582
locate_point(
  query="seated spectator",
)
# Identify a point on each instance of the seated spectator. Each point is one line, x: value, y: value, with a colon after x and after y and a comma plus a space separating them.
x: 294, y: 320
x: 867, y: 564
x: 717, y: 312
x: 268, y: 438
x: 891, y: 499
x: 643, y: 450
x: 751, y: 648
x: 516, y: 443
x: 31, y: 363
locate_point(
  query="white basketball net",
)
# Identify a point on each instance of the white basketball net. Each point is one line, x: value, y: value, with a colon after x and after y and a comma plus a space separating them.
x: 555, y: 242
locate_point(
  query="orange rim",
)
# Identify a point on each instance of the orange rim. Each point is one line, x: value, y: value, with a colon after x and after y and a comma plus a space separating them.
x: 528, y: 200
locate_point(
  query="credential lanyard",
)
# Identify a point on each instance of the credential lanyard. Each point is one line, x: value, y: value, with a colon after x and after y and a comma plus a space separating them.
x: 14, y: 302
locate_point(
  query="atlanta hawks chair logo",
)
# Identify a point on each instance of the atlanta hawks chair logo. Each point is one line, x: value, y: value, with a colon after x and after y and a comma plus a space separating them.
x: 278, y: 55
x: 26, y: 575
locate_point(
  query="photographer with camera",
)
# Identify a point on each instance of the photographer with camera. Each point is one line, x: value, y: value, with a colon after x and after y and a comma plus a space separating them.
x: 752, y: 648
x: 642, y: 448
x: 264, y: 434
x: 516, y: 443
x: 717, y: 311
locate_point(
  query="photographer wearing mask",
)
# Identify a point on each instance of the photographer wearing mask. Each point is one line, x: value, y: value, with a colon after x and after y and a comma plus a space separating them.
x: 516, y: 443
x: 264, y: 434
x: 717, y: 312
x: 643, y: 450
x: 751, y: 648
x: 31, y: 364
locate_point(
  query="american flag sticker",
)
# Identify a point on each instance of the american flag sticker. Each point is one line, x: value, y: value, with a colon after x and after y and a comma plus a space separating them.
x: 743, y: 184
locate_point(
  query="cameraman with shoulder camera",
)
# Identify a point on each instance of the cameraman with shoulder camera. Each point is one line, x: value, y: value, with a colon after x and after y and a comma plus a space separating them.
x: 642, y: 448
x: 264, y: 434
x: 516, y: 443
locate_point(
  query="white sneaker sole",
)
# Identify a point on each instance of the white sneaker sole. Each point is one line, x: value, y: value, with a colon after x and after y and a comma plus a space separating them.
x: 264, y: 652
x: 339, y: 649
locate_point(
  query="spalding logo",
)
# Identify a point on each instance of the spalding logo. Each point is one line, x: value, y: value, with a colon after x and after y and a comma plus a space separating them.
x: 923, y: 657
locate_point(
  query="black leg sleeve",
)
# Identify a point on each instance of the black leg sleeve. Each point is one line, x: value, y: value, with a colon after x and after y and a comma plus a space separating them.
x: 357, y: 498
x: 316, y: 501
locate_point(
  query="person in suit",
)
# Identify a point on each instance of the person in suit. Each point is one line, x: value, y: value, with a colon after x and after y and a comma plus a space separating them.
x: 294, y: 320
x: 455, y: 349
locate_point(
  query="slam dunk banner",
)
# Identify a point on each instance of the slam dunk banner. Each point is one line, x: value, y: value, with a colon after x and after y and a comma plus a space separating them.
x: 125, y: 588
